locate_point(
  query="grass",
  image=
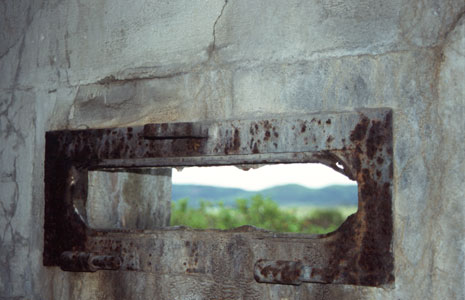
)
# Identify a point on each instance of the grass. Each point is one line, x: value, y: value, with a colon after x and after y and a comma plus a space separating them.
x: 261, y: 212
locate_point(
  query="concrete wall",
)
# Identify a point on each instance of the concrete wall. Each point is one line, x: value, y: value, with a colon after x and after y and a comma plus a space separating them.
x: 78, y: 64
x: 129, y: 200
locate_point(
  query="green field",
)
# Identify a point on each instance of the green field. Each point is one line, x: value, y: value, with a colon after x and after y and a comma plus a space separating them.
x: 261, y: 212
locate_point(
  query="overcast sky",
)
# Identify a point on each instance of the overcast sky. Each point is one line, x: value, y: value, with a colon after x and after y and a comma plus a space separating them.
x: 309, y: 175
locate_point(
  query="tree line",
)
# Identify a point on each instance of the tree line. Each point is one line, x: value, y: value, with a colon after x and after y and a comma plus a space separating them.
x: 258, y: 211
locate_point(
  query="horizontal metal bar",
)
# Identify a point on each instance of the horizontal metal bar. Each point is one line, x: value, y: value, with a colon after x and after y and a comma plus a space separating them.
x: 285, y: 272
x: 175, y: 131
x: 88, y: 262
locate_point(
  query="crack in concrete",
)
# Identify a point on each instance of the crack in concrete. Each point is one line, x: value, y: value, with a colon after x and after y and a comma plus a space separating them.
x: 452, y: 26
x: 240, y: 65
x: 113, y: 79
x: 10, y: 128
x: 20, y: 53
x: 21, y: 37
x: 440, y: 57
x: 67, y: 57
x: 213, y: 46
x: 432, y: 116
x: 5, y: 53
x: 324, y: 54
x: 16, y: 85
x: 8, y: 250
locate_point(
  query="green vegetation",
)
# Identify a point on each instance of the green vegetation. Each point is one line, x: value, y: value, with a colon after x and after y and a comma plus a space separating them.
x: 284, y: 195
x: 258, y: 211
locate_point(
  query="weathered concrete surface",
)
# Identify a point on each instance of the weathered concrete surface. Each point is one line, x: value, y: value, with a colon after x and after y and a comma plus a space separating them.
x: 129, y: 200
x: 77, y: 64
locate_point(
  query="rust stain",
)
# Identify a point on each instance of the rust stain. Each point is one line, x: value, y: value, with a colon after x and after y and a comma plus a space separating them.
x: 232, y: 143
x: 283, y: 272
x: 255, y: 148
x: 359, y: 131
x: 267, y: 135
x: 370, y: 229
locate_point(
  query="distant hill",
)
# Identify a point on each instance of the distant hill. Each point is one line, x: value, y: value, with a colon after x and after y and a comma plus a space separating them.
x: 284, y: 195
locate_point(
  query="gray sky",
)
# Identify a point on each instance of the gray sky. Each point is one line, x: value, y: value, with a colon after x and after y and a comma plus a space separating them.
x: 309, y: 175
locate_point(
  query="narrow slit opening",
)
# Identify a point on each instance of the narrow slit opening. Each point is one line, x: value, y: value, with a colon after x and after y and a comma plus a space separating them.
x: 285, y: 198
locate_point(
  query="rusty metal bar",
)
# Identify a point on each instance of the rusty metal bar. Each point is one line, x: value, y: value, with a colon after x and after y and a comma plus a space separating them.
x: 175, y: 131
x: 88, y: 262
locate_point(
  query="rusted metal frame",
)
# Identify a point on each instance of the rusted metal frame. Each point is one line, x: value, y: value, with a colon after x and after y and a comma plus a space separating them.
x: 359, y: 252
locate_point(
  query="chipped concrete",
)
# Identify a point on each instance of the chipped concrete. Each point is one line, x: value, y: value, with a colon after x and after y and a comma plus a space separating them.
x: 78, y: 64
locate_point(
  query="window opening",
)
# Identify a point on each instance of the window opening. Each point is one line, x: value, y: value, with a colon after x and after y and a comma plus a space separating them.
x: 297, y: 198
